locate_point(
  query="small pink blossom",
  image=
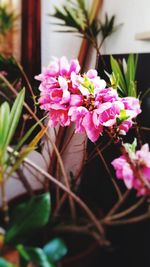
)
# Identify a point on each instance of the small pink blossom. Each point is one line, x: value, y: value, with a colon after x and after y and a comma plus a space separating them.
x: 131, y: 105
x: 59, y: 67
x: 106, y: 95
x: 90, y: 83
x: 58, y: 116
x: 125, y: 126
x: 140, y: 161
x: 108, y: 113
x: 92, y: 130
x: 77, y: 115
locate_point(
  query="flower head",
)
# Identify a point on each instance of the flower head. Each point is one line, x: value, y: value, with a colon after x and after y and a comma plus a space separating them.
x: 134, y: 169
x: 84, y: 99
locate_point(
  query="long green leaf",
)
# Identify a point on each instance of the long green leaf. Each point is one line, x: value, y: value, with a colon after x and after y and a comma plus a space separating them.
x: 21, y: 156
x: 130, y: 75
x: 15, y: 115
x: 4, y: 123
x: 28, y: 134
x: 25, y: 151
x: 118, y: 73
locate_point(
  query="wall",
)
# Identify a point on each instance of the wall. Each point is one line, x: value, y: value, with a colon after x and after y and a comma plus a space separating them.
x: 54, y: 43
x: 135, y: 18
x: 132, y: 13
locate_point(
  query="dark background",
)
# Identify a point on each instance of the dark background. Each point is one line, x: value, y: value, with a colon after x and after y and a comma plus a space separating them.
x: 130, y: 244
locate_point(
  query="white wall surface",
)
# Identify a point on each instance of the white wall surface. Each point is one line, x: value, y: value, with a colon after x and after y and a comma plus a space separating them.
x: 134, y: 14
x: 54, y: 43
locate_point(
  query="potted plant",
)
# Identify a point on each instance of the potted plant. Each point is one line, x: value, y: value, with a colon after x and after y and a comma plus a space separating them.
x: 106, y: 113
x: 7, y: 20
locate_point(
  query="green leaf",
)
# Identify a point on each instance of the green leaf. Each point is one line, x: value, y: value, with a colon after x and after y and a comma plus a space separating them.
x: 21, y: 156
x: 55, y: 249
x: 28, y: 134
x: 118, y: 74
x: 4, y: 123
x: 23, y: 252
x: 34, y: 255
x: 25, y: 151
x: 15, y: 115
x: 122, y: 116
x: 7, y: 19
x: 131, y: 148
x: 130, y: 74
x: 72, y: 15
x: 32, y: 215
x: 4, y: 263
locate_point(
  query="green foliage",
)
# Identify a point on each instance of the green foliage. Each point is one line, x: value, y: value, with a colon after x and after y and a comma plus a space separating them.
x: 9, y: 120
x: 123, y: 76
x: 55, y: 249
x: 73, y: 16
x: 34, y: 255
x: 88, y: 85
x: 8, y: 123
x: 28, y: 217
x: 4, y: 263
x: 122, y: 116
x: 108, y: 26
x: 9, y: 69
x: 43, y: 257
x: 76, y: 16
x: 7, y: 19
x: 131, y: 148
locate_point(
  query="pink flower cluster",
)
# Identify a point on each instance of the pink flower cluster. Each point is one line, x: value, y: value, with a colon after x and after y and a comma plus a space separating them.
x: 135, y: 172
x: 84, y: 99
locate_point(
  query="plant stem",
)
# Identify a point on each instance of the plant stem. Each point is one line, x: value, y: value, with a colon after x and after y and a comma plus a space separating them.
x: 135, y: 219
x: 4, y: 202
x: 64, y: 188
x: 118, y: 204
x: 129, y: 210
x: 72, y: 206
x: 109, y: 173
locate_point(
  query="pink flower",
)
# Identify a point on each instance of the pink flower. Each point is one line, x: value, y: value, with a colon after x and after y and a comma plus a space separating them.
x: 106, y: 95
x: 84, y: 99
x: 108, y: 112
x: 85, y: 122
x: 59, y: 67
x: 137, y: 175
x: 56, y: 88
x: 125, y: 126
x: 76, y: 100
x: 90, y: 83
x: 77, y: 115
x: 58, y: 116
x: 132, y: 106
x: 93, y: 131
x: 123, y: 171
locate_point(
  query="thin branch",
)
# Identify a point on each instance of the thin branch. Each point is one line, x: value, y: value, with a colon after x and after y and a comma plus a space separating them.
x: 72, y: 206
x: 118, y: 204
x: 129, y: 210
x: 135, y: 219
x: 109, y: 173
x: 64, y: 188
